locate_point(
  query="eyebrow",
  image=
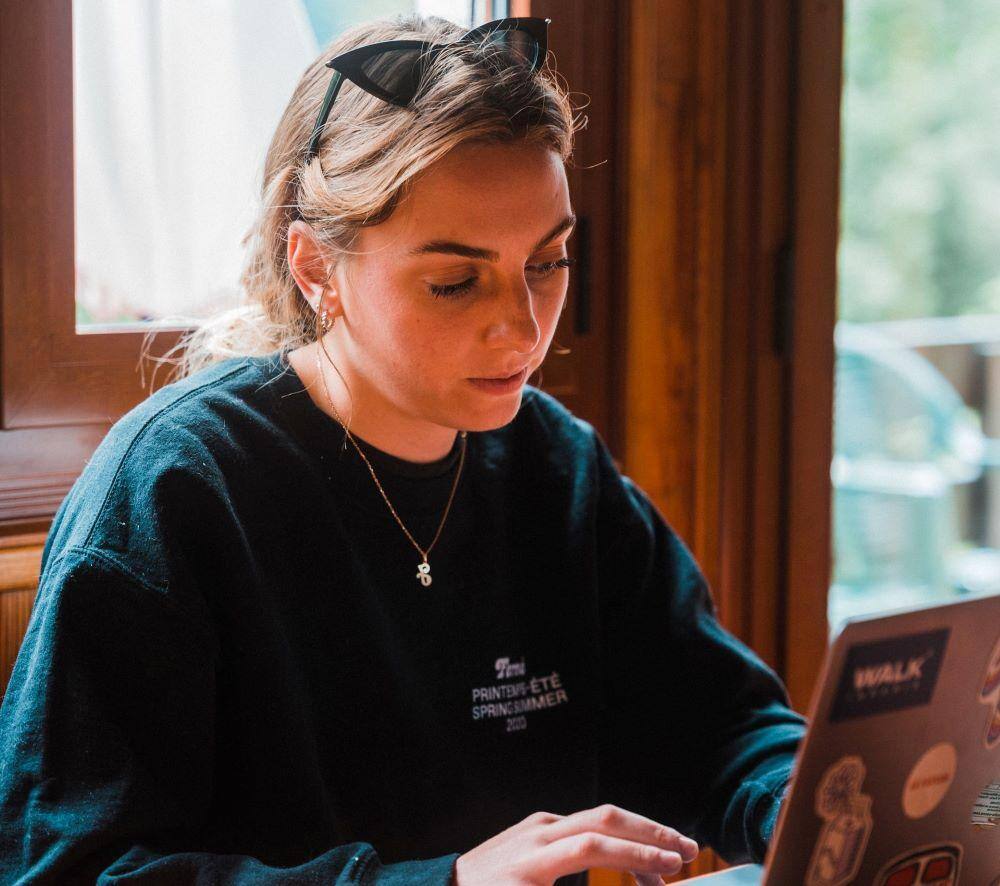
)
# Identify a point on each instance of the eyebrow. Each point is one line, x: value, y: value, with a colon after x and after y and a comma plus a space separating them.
x: 449, y: 247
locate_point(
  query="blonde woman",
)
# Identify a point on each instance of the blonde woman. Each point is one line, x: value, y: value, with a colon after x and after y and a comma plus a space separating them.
x: 349, y: 601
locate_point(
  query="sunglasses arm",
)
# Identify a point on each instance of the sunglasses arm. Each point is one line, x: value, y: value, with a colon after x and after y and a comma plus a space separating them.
x: 331, y: 95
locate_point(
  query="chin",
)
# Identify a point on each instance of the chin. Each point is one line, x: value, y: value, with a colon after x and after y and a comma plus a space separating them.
x: 489, y: 417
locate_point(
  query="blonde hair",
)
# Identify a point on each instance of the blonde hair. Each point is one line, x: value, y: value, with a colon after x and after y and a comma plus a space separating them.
x: 369, y: 156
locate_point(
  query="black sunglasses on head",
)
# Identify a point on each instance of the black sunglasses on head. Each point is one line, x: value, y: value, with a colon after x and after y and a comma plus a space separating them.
x: 392, y: 70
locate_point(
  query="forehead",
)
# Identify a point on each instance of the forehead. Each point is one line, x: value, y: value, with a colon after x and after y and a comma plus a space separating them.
x: 479, y: 193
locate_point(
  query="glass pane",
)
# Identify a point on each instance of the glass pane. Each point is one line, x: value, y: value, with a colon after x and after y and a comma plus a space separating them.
x: 175, y: 102
x: 916, y: 469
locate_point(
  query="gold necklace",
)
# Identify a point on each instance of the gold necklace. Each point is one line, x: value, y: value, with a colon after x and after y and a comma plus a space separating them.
x: 424, y: 568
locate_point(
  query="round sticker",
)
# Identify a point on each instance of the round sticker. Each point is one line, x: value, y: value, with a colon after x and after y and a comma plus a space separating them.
x: 929, y: 780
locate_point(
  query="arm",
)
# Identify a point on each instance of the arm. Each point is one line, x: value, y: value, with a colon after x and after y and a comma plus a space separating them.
x: 107, y: 734
x: 698, y: 731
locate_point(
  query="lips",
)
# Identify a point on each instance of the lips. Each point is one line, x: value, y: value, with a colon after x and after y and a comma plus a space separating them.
x: 501, y: 386
x: 507, y: 377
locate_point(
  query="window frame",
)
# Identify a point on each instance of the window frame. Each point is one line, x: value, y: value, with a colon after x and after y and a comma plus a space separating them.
x: 60, y: 390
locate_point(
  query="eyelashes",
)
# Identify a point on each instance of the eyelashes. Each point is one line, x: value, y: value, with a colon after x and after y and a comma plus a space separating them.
x: 544, y: 270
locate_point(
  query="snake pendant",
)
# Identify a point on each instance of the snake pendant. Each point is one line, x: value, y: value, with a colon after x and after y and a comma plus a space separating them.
x: 424, y: 574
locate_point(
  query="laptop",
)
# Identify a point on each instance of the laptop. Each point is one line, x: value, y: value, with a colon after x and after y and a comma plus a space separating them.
x: 897, y: 782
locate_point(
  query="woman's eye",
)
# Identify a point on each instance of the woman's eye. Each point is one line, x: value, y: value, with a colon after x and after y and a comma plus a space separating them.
x: 543, y: 270
x: 452, y: 288
x: 550, y: 267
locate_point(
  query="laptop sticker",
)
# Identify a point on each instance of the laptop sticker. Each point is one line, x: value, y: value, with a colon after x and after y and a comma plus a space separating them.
x: 846, y: 813
x: 986, y: 809
x: 938, y: 864
x: 889, y: 675
x: 989, y: 694
x: 929, y: 780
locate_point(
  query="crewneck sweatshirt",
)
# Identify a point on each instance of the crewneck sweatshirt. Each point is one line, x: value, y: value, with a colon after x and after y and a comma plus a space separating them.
x: 232, y: 674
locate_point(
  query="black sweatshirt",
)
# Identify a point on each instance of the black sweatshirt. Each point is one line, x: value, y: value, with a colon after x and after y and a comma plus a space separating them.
x: 233, y: 674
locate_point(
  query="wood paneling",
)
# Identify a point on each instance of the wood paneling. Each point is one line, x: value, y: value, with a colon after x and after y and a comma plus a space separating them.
x: 20, y: 559
x: 730, y: 238
x: 581, y: 31
x: 676, y: 181
x: 815, y: 178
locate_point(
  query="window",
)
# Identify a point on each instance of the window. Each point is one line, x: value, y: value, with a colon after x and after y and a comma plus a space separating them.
x: 166, y: 98
x: 917, y: 415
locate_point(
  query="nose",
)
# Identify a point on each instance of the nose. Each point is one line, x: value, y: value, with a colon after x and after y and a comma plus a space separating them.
x: 516, y: 326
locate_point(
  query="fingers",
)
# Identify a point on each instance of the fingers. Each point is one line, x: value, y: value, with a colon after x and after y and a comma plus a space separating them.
x: 647, y: 879
x: 580, y: 852
x: 614, y: 821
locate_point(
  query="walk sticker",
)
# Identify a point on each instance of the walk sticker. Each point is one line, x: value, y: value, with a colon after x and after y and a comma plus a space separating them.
x: 929, y: 780
x: 986, y: 809
x: 847, y: 817
x: 515, y: 694
x: 989, y: 694
x: 938, y: 864
x: 889, y: 675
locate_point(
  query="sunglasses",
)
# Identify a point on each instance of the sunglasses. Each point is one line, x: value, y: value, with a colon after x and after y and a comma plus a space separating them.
x: 392, y: 70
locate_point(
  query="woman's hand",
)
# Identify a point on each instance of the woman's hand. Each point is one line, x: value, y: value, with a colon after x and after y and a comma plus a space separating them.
x: 544, y: 846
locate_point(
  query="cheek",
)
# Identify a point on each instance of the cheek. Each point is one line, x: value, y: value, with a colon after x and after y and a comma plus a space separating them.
x: 418, y: 345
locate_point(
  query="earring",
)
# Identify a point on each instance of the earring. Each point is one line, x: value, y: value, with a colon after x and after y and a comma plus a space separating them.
x: 325, y: 321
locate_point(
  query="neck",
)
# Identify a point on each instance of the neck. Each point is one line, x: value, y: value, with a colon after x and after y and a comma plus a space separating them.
x: 373, y: 419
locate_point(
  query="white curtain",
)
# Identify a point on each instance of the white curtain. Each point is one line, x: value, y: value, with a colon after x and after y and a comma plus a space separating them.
x: 174, y: 104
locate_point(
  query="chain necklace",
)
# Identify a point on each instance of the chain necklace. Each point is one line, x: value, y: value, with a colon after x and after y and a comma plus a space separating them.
x: 423, y: 568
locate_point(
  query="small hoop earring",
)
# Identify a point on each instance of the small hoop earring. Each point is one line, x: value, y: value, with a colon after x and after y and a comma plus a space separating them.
x: 325, y: 321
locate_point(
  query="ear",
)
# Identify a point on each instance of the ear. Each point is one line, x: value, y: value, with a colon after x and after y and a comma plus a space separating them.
x: 307, y: 263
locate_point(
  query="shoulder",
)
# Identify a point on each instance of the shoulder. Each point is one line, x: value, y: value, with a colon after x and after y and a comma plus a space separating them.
x: 167, y: 452
x: 540, y: 406
x: 546, y: 431
x: 184, y: 424
x: 208, y: 400
x: 573, y: 444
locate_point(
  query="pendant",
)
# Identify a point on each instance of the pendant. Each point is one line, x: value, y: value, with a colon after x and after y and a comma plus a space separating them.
x: 424, y: 574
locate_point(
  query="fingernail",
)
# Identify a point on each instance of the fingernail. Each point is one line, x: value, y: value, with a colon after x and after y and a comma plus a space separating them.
x: 689, y: 846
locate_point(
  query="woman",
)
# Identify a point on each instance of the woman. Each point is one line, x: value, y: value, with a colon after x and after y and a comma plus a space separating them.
x: 336, y: 607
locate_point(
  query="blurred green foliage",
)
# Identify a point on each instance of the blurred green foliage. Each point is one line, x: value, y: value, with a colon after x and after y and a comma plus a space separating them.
x: 920, y: 180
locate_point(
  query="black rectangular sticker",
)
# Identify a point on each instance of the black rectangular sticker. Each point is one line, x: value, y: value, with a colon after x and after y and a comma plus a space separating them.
x: 889, y: 675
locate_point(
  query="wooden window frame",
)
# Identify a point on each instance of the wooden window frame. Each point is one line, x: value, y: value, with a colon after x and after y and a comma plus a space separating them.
x: 728, y: 349
x: 731, y: 178
x: 60, y: 391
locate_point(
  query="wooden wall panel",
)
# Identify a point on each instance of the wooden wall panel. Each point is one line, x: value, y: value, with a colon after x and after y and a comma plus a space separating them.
x: 676, y: 187
x: 815, y: 176
x: 20, y: 559
x: 730, y: 171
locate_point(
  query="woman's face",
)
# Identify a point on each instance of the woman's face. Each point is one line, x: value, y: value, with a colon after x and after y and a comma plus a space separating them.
x: 461, y: 282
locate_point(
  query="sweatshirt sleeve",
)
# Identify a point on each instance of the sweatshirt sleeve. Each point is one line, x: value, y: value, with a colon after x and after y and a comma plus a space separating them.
x: 107, y: 740
x: 698, y: 732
